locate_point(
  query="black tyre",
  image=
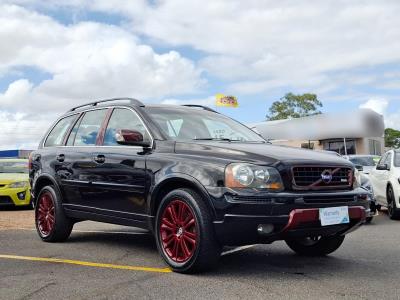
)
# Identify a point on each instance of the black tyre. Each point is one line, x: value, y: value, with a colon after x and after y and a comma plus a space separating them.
x: 393, y: 211
x: 185, y: 234
x: 368, y: 220
x: 315, y: 246
x: 52, y: 224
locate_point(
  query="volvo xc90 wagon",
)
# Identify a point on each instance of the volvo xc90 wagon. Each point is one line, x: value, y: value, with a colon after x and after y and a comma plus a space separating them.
x: 193, y: 177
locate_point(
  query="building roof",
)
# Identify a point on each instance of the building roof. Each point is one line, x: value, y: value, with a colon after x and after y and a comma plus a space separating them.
x: 355, y: 124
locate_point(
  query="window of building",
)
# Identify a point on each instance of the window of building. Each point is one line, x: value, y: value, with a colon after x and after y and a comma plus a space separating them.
x: 339, y: 146
x: 375, y: 147
x: 307, y: 145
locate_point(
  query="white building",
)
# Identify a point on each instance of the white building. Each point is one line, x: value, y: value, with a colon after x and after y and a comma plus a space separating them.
x: 356, y: 132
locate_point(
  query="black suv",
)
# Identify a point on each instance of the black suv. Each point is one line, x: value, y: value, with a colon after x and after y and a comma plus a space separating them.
x: 196, y: 179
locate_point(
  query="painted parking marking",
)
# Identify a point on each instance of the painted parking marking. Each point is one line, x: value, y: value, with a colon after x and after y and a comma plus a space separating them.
x: 86, y: 263
x: 237, y: 249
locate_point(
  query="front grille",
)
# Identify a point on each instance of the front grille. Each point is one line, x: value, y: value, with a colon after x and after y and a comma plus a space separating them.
x: 5, y: 200
x: 321, y: 177
x: 329, y: 199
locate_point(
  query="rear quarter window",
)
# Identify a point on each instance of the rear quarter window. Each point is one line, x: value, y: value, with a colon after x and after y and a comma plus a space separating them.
x: 57, y: 134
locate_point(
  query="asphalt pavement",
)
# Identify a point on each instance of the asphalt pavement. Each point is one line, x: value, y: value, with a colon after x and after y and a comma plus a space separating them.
x: 102, y: 261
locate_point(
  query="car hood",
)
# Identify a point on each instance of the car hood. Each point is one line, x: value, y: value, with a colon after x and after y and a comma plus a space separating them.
x: 258, y: 153
x: 367, y: 169
x: 6, y: 178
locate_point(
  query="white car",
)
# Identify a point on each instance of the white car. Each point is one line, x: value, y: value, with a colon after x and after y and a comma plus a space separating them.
x: 385, y: 180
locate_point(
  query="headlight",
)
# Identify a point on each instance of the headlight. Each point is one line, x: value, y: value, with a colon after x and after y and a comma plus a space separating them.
x: 242, y: 175
x: 19, y: 184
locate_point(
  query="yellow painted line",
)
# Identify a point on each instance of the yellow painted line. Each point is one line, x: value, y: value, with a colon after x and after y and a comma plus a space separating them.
x: 86, y: 263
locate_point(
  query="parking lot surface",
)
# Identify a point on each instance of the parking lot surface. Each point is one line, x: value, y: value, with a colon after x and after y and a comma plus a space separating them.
x: 102, y: 261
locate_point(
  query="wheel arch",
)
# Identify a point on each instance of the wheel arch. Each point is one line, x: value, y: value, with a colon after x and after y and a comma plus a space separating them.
x: 42, y: 181
x: 176, y: 181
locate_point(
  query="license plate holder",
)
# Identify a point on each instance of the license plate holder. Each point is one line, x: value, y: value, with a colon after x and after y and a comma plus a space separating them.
x: 334, y: 215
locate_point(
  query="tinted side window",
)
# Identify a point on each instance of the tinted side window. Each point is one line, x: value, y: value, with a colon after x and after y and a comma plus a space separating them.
x: 382, y: 160
x: 89, y: 128
x: 56, y: 136
x: 123, y: 119
x: 72, y: 135
x: 388, y: 160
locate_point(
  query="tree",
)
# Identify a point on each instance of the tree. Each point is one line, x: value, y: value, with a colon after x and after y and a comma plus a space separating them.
x: 294, y: 106
x: 392, y: 138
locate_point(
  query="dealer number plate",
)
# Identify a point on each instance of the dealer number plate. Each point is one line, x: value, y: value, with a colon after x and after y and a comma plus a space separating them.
x: 334, y: 215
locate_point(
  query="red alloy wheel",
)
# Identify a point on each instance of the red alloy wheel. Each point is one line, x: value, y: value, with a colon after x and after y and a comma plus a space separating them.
x: 178, y: 231
x: 45, y: 217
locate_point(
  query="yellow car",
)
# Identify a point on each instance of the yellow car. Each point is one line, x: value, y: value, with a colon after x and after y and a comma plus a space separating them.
x: 14, y: 183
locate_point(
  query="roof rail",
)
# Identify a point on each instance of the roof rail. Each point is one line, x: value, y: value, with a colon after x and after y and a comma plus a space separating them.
x: 201, y: 106
x: 131, y: 101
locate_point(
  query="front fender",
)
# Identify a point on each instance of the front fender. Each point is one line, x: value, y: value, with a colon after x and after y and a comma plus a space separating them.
x: 177, y: 180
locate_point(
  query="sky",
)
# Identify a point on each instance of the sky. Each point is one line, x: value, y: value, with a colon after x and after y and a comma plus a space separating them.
x: 58, y: 54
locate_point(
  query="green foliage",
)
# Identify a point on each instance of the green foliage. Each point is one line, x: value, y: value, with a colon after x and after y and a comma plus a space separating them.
x: 392, y: 138
x: 294, y: 106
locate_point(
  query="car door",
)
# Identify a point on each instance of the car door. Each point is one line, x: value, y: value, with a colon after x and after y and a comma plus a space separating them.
x: 53, y: 147
x: 120, y: 178
x: 376, y: 177
x: 79, y: 163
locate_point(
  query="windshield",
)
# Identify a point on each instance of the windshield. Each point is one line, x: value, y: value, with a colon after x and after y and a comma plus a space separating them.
x: 13, y: 167
x: 367, y: 161
x: 184, y: 124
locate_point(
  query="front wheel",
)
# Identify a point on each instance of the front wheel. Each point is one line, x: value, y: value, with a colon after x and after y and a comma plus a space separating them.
x: 185, y: 234
x: 393, y: 211
x: 315, y: 246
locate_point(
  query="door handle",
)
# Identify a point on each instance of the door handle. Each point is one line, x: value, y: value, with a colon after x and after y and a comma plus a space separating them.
x: 100, y: 159
x: 60, y: 157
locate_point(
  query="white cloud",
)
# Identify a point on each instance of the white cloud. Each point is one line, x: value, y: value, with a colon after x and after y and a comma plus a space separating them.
x: 285, y: 42
x: 23, y: 131
x: 86, y: 61
x: 381, y: 106
x: 209, y: 101
x: 377, y: 105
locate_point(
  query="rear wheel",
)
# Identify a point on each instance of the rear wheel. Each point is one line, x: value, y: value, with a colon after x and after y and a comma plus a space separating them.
x: 185, y: 234
x: 52, y: 224
x: 393, y: 211
x: 315, y: 246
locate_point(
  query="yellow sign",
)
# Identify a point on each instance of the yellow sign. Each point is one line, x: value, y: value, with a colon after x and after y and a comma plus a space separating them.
x: 227, y: 101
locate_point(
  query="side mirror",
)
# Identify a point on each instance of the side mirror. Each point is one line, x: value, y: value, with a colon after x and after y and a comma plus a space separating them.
x: 130, y: 138
x: 359, y: 168
x: 383, y: 167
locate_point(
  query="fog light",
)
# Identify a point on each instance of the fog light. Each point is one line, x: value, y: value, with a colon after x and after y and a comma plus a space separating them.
x: 21, y: 196
x: 265, y: 228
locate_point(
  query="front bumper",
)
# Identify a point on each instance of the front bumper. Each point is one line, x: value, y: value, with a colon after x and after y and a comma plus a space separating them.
x: 15, y: 197
x: 240, y: 230
x: 286, y: 215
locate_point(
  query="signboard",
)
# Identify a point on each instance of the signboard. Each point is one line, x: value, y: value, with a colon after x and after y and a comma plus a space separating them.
x: 226, y: 101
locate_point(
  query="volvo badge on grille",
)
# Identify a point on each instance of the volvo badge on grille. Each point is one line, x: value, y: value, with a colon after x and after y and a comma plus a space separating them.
x: 326, y: 176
